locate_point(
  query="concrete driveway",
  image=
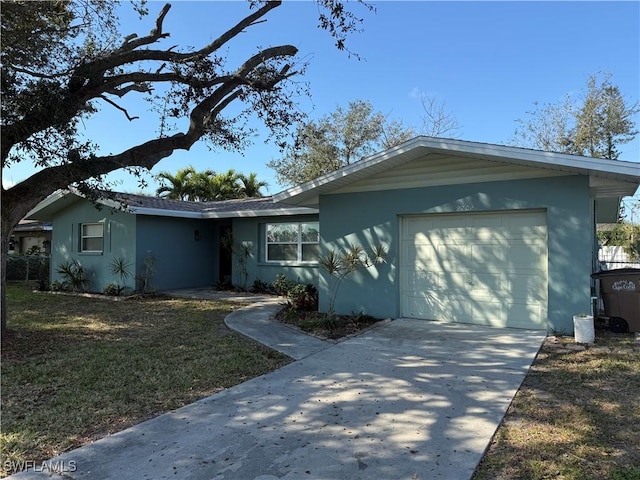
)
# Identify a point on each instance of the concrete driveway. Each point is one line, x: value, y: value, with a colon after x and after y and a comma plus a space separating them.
x: 411, y: 399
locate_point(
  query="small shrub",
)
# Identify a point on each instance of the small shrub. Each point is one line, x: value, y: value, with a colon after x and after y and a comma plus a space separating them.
x: 144, y: 278
x: 260, y: 286
x: 112, y: 289
x: 34, y: 250
x: 57, y: 286
x: 304, y: 297
x: 282, y: 285
x: 223, y: 285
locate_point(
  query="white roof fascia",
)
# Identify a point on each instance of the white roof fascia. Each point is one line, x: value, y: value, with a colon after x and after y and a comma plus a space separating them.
x: 599, y: 167
x: 263, y: 213
x: 160, y: 212
x: 47, y: 202
x: 229, y: 214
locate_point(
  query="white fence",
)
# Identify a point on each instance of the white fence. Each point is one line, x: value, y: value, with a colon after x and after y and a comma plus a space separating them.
x: 611, y: 257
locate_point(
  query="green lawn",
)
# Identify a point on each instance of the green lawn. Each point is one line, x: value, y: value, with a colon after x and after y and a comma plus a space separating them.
x: 576, y: 416
x: 75, y: 369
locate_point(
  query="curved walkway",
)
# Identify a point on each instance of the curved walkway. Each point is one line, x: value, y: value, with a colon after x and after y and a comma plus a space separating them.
x: 411, y: 399
x: 254, y: 321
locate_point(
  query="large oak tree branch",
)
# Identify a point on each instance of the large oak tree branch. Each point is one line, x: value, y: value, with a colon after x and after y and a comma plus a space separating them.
x: 30, y: 191
x: 127, y: 56
x: 88, y: 81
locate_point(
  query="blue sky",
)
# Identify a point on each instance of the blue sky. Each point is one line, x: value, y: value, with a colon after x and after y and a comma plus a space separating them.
x: 488, y: 61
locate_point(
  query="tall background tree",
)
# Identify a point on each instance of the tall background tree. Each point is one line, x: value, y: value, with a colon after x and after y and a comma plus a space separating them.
x: 348, y: 135
x: 178, y: 186
x: 594, y: 124
x: 206, y: 186
x: 64, y: 61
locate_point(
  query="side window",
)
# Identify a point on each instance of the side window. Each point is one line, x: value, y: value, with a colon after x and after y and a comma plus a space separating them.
x: 92, y: 237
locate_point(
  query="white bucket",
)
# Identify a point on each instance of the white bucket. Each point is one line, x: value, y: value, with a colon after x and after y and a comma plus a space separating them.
x: 583, y: 329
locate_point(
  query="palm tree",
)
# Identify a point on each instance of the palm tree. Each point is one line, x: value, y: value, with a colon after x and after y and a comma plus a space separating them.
x: 250, y: 185
x: 201, y: 184
x: 205, y: 186
x: 180, y: 185
x: 225, y: 186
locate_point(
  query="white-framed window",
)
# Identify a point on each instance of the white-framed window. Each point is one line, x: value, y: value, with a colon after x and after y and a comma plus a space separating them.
x: 297, y: 242
x: 92, y: 237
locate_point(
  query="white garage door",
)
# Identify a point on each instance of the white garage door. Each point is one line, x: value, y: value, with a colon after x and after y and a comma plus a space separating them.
x: 489, y: 269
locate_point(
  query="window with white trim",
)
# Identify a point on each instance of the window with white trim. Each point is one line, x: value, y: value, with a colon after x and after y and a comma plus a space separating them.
x: 292, y: 242
x: 92, y: 237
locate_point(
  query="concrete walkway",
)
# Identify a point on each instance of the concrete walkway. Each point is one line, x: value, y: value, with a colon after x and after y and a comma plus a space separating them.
x: 410, y: 399
x: 255, y: 321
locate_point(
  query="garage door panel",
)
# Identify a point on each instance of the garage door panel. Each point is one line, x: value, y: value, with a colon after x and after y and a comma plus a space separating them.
x: 451, y: 256
x: 524, y: 315
x: 422, y: 256
x: 438, y: 236
x: 421, y: 281
x: 487, y: 312
x: 489, y: 253
x: 523, y: 286
x: 487, y: 284
x: 527, y: 257
x: 527, y: 220
x: 491, y: 223
x: 476, y: 268
x: 432, y: 307
x: 454, y: 283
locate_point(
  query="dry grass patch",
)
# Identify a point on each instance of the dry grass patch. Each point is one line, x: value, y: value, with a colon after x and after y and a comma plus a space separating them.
x: 576, y: 416
x: 75, y: 369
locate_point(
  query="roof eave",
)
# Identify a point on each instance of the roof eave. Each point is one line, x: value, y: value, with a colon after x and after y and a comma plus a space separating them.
x: 308, y: 193
x: 50, y: 205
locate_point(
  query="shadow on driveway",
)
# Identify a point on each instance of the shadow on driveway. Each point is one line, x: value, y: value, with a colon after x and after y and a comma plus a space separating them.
x: 411, y: 399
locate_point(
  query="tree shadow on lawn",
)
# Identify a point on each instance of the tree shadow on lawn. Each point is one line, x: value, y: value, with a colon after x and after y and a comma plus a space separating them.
x: 75, y: 369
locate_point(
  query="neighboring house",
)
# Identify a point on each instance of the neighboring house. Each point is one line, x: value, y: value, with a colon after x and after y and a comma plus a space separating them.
x: 29, y: 235
x: 475, y: 233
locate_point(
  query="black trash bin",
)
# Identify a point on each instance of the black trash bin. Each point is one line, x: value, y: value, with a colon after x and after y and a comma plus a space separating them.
x: 620, y: 290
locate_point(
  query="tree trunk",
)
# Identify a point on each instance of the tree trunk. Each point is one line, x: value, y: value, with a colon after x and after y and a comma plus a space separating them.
x: 13, y: 210
x: 6, y: 235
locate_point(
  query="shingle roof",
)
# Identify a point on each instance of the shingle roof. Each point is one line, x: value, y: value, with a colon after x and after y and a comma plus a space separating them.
x: 147, y: 205
x: 227, y: 208
x: 144, y: 201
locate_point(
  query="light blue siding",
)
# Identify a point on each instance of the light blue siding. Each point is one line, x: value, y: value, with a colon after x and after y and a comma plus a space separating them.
x: 372, y: 218
x: 182, y: 257
x: 119, y: 240
x: 251, y: 232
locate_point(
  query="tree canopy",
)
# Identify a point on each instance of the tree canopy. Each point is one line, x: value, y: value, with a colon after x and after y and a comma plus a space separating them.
x: 348, y: 135
x: 64, y: 61
x: 593, y: 125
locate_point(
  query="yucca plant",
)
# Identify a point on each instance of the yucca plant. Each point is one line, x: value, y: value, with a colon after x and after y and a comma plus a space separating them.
x: 339, y: 266
x: 74, y: 275
x: 122, y: 268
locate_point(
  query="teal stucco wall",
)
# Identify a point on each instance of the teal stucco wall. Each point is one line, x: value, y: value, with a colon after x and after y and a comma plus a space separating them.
x: 119, y: 240
x: 250, y: 231
x: 184, y: 251
x: 372, y: 218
